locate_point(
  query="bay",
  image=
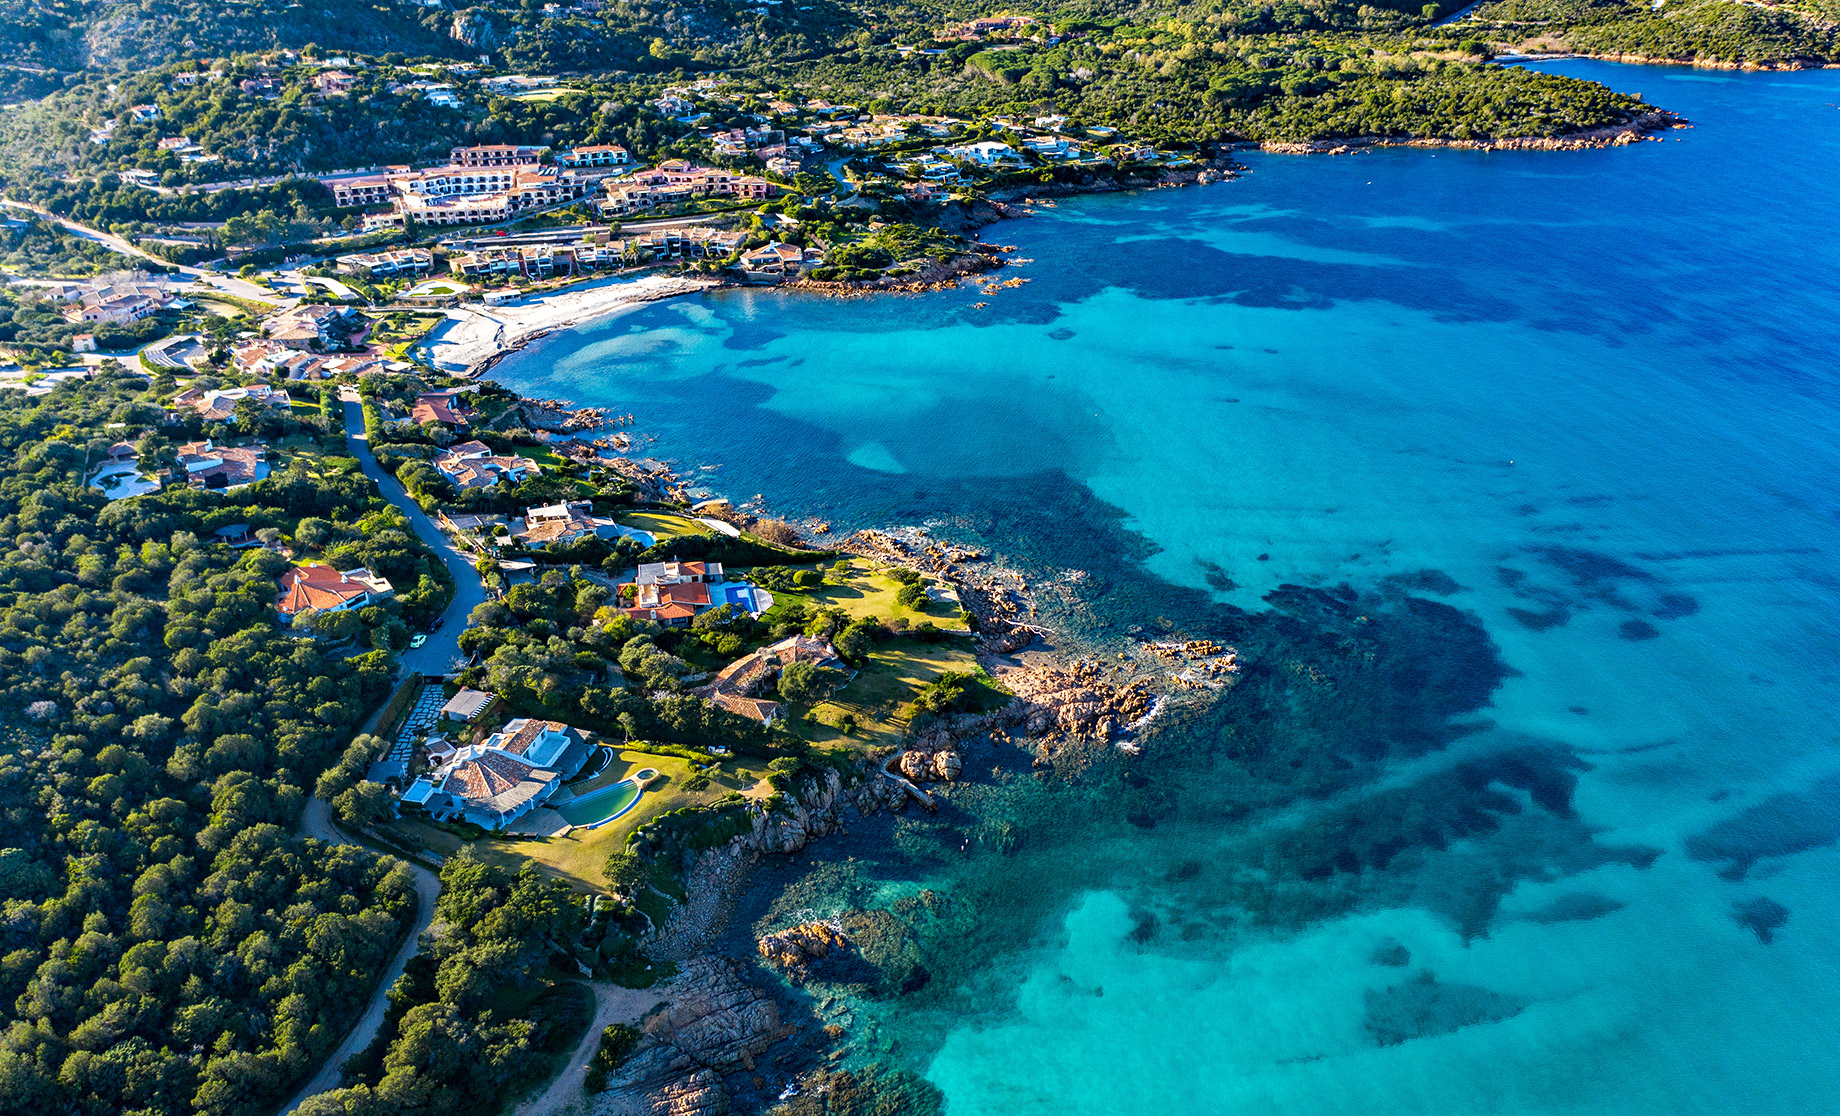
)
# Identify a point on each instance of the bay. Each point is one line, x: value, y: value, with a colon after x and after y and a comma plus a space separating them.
x: 1593, y: 392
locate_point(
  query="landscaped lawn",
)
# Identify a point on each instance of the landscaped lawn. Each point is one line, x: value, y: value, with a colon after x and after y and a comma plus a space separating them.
x: 880, y: 694
x: 664, y: 525
x: 578, y: 856
x: 867, y: 591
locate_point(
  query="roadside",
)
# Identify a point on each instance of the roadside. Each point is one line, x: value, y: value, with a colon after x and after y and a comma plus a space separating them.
x: 316, y: 821
x: 241, y: 288
x: 612, y: 1004
x: 436, y: 656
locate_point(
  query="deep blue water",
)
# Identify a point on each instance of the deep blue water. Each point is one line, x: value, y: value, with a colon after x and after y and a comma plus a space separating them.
x: 1597, y: 389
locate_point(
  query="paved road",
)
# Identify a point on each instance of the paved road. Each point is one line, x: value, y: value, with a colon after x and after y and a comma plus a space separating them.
x: 229, y: 284
x: 317, y: 822
x: 443, y: 647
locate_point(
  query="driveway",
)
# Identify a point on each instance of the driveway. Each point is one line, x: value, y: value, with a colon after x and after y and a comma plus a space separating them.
x: 443, y: 647
x: 316, y: 821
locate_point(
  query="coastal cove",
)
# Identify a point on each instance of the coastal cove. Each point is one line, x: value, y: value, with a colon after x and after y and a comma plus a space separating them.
x: 1562, y: 421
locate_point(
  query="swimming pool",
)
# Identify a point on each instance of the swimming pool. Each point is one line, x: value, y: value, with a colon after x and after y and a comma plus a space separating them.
x: 742, y: 595
x: 601, y: 806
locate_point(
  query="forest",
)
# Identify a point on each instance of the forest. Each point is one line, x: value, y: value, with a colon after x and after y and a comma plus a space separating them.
x: 167, y: 944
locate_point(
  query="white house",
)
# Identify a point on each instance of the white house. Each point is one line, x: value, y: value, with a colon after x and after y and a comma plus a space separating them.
x: 502, y: 778
x: 988, y: 153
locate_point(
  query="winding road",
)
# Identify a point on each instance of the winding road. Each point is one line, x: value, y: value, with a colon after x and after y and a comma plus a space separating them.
x: 613, y: 1004
x: 434, y: 657
x: 316, y: 821
x: 229, y: 284
x: 443, y: 647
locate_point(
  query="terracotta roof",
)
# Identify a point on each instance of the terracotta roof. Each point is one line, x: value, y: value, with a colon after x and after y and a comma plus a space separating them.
x: 519, y: 742
x: 309, y: 587
x: 755, y: 708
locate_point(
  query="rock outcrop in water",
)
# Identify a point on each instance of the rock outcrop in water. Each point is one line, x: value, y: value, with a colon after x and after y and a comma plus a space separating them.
x: 796, y: 950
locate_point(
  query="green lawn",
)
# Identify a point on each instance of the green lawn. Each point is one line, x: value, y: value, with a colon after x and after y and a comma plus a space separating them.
x: 867, y: 591
x: 578, y: 856
x: 880, y: 695
x: 664, y: 525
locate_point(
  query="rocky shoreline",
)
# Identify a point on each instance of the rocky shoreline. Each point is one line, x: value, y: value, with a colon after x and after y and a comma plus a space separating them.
x: 1640, y: 129
x: 700, y: 1052
x: 1537, y: 53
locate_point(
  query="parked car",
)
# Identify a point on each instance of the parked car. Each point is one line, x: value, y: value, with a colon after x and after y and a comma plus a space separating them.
x: 417, y: 639
x: 435, y: 625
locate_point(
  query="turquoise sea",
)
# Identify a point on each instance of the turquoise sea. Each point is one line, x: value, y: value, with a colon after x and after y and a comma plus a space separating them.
x: 1538, y: 815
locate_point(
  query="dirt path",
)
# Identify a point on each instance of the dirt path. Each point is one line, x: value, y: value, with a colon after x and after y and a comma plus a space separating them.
x: 317, y: 822
x: 612, y: 1004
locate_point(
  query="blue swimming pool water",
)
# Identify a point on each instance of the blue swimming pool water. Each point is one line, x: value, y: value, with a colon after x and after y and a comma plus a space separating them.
x: 601, y: 806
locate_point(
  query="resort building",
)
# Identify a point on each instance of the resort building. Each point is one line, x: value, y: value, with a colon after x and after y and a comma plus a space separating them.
x: 543, y: 261
x: 594, y: 155
x: 324, y: 589
x: 494, y: 154
x: 502, y: 778
x: 388, y: 265
x: 679, y: 181
x: 483, y: 184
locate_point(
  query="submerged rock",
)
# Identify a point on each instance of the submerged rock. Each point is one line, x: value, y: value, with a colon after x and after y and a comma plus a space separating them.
x: 1391, y: 953
x: 1577, y: 906
x: 1763, y: 916
x: 1423, y: 1007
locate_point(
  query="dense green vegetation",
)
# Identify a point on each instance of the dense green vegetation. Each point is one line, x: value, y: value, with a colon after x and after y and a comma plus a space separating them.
x: 37, y: 247
x: 116, y: 34
x: 481, y: 1013
x: 1685, y: 30
x: 168, y: 945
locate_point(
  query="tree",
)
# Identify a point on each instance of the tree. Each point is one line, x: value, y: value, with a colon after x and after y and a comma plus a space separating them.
x: 807, y: 683
x: 366, y: 803
x: 625, y: 872
x: 857, y: 640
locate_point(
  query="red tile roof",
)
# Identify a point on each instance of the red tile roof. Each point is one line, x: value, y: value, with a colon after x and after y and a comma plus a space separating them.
x: 309, y: 587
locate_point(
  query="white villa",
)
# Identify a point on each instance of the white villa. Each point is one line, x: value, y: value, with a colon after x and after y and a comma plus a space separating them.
x: 502, y: 778
x: 474, y: 465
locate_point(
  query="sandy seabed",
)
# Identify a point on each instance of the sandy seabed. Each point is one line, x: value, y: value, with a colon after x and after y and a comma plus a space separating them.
x: 474, y: 334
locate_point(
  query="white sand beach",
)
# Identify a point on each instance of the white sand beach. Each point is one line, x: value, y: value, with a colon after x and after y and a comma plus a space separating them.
x: 474, y: 334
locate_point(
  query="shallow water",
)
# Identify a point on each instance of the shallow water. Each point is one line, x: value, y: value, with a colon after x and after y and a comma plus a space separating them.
x: 1597, y: 390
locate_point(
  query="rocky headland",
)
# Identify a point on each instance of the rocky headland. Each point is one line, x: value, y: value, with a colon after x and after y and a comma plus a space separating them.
x: 1639, y: 129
